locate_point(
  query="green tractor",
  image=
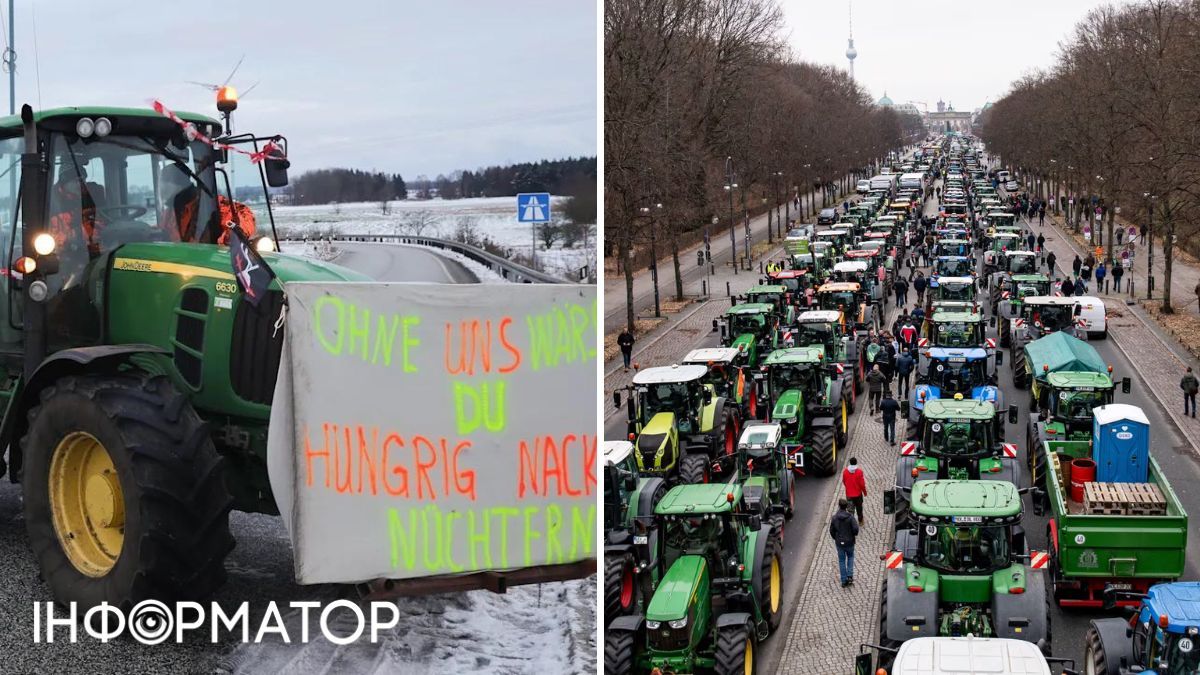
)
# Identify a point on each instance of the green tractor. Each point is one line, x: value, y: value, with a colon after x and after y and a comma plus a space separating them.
x: 138, y: 379
x: 728, y: 377
x: 955, y: 438
x: 811, y: 402
x: 1008, y: 296
x: 721, y: 594
x: 767, y: 470
x: 752, y: 328
x: 822, y: 328
x: 775, y: 295
x: 962, y: 567
x: 678, y: 423
x: 631, y: 541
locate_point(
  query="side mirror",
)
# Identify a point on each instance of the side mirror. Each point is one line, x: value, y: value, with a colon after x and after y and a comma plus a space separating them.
x: 1078, y: 310
x: 1012, y: 414
x: 992, y: 321
x: 708, y: 396
x: 755, y: 522
x: 714, y: 326
x: 1038, y: 498
x: 1125, y: 384
x: 276, y: 169
x: 889, y: 501
x: 864, y: 664
x: 617, y: 400
x: 904, y: 409
x: 999, y: 354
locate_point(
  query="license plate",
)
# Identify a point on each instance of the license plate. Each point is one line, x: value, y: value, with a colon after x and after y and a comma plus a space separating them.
x: 968, y: 519
x: 641, y: 539
x: 1121, y: 587
x: 798, y: 460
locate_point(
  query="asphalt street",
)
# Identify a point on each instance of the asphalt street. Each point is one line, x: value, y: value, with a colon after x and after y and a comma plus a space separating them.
x: 260, y: 568
x: 1178, y: 459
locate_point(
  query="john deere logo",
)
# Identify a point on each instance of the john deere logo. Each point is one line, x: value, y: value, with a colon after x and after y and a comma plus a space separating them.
x: 1088, y: 559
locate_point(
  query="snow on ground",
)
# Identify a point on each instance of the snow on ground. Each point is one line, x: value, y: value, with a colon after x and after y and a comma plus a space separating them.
x: 328, y: 251
x: 491, y: 218
x: 546, y: 628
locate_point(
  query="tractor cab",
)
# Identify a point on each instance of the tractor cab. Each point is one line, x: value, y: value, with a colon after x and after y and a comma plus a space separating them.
x: 955, y: 247
x: 1010, y: 294
x: 815, y: 262
x: 839, y: 240
x: 855, y: 271
x: 847, y: 298
x: 666, y: 408
x: 958, y: 428
x: 727, y: 376
x: 1067, y: 400
x: 766, y: 471
x: 947, y: 372
x: 968, y: 528
x: 1019, y: 262
x: 794, y: 281
x: 998, y: 245
x: 809, y: 404
x: 775, y: 295
x: 953, y: 266
x: 1043, y: 315
x: 958, y: 289
x: 954, y: 329
x: 997, y: 220
x: 620, y: 480
x: 750, y: 327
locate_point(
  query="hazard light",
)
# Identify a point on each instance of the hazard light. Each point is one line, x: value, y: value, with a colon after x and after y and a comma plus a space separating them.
x: 227, y: 99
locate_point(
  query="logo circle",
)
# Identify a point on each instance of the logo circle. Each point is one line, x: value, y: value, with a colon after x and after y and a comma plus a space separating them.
x: 151, y: 622
x: 1079, y: 539
x: 1185, y: 645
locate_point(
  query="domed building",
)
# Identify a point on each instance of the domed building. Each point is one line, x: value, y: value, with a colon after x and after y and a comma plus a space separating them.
x: 885, y: 102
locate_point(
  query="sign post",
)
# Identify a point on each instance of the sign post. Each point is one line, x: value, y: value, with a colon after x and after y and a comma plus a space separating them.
x: 533, y: 208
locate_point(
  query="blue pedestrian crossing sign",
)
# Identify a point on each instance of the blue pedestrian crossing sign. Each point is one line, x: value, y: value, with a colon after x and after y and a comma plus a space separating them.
x: 533, y: 207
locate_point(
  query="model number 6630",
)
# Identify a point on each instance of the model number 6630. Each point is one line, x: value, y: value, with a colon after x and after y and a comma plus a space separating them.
x: 226, y: 287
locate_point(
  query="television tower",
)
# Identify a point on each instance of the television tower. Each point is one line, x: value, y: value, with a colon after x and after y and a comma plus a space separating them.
x: 851, y: 52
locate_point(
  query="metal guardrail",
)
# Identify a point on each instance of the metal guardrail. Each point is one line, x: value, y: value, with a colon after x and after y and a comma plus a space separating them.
x: 509, y: 270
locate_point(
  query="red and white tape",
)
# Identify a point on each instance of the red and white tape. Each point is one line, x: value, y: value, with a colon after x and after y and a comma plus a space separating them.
x: 193, y: 134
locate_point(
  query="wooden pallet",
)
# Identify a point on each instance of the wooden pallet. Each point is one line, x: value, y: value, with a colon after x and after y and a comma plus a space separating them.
x: 1134, y: 499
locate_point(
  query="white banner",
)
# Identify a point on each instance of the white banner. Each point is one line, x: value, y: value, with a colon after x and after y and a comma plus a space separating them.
x: 423, y: 429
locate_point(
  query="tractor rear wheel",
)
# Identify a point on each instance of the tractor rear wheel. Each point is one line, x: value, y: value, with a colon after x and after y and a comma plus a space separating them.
x: 693, y: 468
x: 772, y: 577
x: 823, y: 457
x: 885, y: 657
x: 1095, y: 660
x: 777, y: 520
x: 842, y: 424
x: 1020, y: 376
x: 124, y: 493
x: 735, y: 651
x: 850, y: 398
x: 726, y: 435
x: 620, y: 591
x: 618, y: 651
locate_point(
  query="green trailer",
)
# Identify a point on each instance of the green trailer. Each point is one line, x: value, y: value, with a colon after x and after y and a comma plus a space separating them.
x: 1089, y: 552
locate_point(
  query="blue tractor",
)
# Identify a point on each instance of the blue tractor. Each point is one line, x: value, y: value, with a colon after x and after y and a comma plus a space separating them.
x: 1162, y: 638
x: 950, y: 371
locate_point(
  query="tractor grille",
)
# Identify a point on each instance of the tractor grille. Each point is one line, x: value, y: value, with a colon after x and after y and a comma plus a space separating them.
x: 253, y: 352
x: 667, y: 639
x: 188, y: 342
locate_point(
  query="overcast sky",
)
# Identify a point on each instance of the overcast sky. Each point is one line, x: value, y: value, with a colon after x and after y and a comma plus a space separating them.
x: 965, y: 52
x: 410, y: 87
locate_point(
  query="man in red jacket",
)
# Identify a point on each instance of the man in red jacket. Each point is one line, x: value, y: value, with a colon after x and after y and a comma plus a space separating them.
x: 856, y: 486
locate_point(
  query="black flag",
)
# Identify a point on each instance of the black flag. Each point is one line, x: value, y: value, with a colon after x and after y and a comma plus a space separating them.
x: 252, y: 272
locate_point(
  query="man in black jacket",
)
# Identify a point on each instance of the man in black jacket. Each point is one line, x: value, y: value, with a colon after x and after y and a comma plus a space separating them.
x: 844, y: 530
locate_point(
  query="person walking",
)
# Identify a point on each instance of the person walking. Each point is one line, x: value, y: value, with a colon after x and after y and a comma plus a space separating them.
x: 1030, y: 240
x: 1042, y: 215
x: 855, y: 483
x: 1076, y: 264
x: 1101, y: 272
x: 908, y: 334
x: 919, y: 284
x: 875, y: 382
x: 625, y: 342
x: 1067, y: 288
x: 901, y: 288
x: 1050, y: 258
x: 1190, y: 385
x: 1119, y: 234
x: 844, y: 531
x: 1197, y: 290
x: 1117, y: 273
x: 904, y: 367
x: 1041, y: 242
x: 890, y: 407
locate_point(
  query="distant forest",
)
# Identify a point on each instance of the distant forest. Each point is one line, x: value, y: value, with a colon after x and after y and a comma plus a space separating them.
x: 568, y: 177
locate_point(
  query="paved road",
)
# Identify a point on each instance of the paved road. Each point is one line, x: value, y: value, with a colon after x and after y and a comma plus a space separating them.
x: 825, y: 624
x: 396, y: 262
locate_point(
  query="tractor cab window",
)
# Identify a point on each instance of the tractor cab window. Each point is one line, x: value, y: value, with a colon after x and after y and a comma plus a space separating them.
x: 792, y: 284
x: 840, y: 299
x: 1049, y: 317
x: 696, y: 535
x: 1022, y: 264
x: 953, y: 267
x: 740, y: 324
x: 958, y: 376
x: 961, y: 292
x: 957, y: 333
x: 816, y: 334
x: 964, y: 549
x: 1078, y: 405
x: 10, y: 181
x: 948, y: 438
x: 1026, y: 290
x: 791, y: 376
x: 774, y: 299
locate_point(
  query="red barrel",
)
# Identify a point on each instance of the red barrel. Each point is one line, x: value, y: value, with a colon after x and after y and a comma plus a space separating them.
x: 1083, y: 470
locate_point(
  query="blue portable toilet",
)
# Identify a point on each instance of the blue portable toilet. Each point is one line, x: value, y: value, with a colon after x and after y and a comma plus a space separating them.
x: 1121, y: 443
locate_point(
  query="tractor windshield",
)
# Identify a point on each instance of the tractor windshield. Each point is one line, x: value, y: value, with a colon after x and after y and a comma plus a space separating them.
x: 721, y: 376
x: 964, y: 549
x: 1049, y: 317
x: 963, y: 292
x: 1022, y: 264
x: 791, y: 376
x: 957, y: 248
x: 697, y: 534
x: 792, y: 284
x: 1078, y: 405
x: 772, y: 298
x: 838, y: 300
x: 953, y: 267
x: 740, y: 324
x: 957, y: 334
x: 958, y: 438
x: 817, y: 334
x: 958, y: 375
x: 674, y: 397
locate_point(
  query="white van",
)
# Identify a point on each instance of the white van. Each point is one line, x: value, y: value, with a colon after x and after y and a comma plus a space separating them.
x: 963, y: 656
x: 1091, y: 317
x: 912, y: 181
x: 883, y: 182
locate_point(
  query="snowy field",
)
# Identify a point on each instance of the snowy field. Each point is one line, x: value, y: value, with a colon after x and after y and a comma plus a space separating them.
x: 490, y: 219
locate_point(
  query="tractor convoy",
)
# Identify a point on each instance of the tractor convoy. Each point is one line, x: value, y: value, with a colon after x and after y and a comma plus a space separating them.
x: 705, y: 484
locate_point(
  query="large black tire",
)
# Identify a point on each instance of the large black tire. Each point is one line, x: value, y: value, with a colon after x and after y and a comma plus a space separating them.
x: 620, y: 588
x: 1020, y: 375
x: 841, y: 424
x: 885, y: 657
x: 619, y: 651
x: 1093, y: 652
x: 777, y: 520
x: 725, y: 435
x: 171, y: 481
x: 772, y: 556
x: 823, y: 458
x: 693, y: 468
x: 735, y: 645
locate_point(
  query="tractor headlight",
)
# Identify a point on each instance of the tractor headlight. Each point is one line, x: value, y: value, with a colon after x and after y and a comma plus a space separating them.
x: 678, y: 623
x: 103, y: 126
x: 264, y: 245
x: 653, y: 625
x: 84, y: 127
x: 44, y: 243
x: 790, y: 420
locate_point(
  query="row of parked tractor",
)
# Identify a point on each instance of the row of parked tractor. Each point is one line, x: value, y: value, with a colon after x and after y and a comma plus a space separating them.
x: 961, y: 564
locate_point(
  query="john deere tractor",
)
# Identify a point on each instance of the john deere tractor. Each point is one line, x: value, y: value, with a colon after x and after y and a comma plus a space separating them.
x: 678, y: 423
x: 766, y: 471
x: 1040, y: 316
x: 821, y: 328
x: 962, y: 567
x: 776, y: 295
x: 1008, y: 297
x: 631, y: 541
x: 958, y: 439
x: 752, y: 328
x: 721, y: 594
x: 138, y: 379
x: 811, y: 403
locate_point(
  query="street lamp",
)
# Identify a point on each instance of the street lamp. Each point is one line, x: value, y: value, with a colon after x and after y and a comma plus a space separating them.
x: 1150, y: 198
x: 648, y: 212
x: 730, y: 185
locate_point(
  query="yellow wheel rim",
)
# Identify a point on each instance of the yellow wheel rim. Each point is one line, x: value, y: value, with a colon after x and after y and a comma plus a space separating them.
x: 774, y: 585
x: 749, y: 657
x: 834, y: 449
x: 845, y: 424
x: 87, y: 504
